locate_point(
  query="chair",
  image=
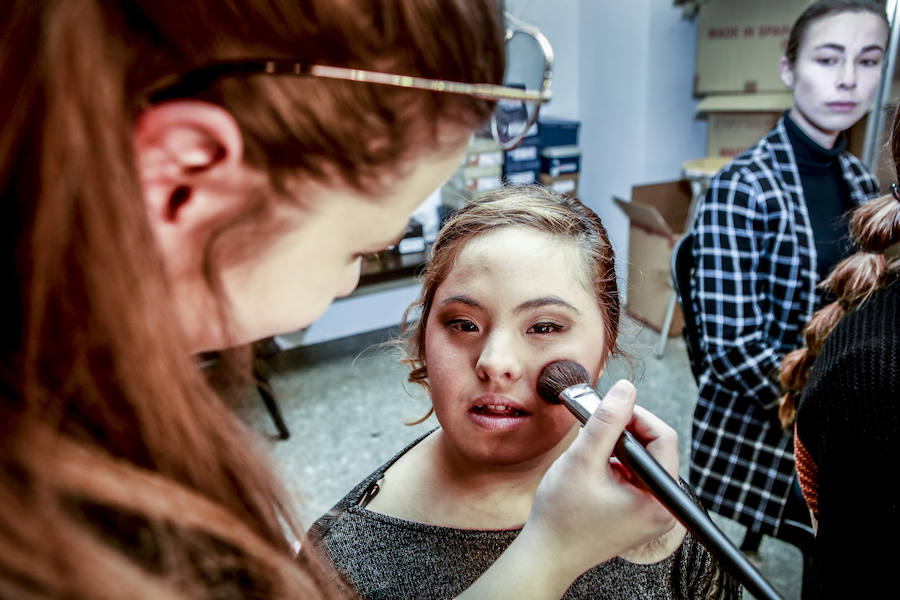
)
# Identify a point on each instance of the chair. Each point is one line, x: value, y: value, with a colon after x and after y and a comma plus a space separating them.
x: 209, y: 361
x: 261, y: 375
x: 698, y: 172
x: 795, y: 528
x: 682, y: 266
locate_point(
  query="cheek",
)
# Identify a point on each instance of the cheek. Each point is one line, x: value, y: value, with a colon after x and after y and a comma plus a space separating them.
x: 562, y: 421
x: 445, y: 359
x: 869, y: 86
x: 590, y: 351
x: 805, y: 91
x: 445, y: 386
x: 557, y: 426
x: 433, y: 351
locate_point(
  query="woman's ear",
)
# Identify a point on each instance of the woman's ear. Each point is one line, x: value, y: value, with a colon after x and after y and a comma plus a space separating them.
x: 786, y: 70
x: 188, y: 154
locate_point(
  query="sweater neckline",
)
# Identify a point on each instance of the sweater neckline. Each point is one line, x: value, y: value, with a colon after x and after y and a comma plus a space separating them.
x: 811, y: 156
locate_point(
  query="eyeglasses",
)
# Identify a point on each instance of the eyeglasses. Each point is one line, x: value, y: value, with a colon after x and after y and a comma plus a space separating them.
x: 526, y: 82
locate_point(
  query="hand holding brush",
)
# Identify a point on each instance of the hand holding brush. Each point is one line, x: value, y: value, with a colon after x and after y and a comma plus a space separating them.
x: 567, y: 382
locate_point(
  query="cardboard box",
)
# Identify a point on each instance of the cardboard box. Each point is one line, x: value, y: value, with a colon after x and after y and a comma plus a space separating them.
x: 526, y: 152
x: 480, y: 179
x: 558, y: 160
x: 555, y: 131
x: 658, y: 214
x: 483, y: 152
x: 736, y: 122
x: 523, y: 163
x: 468, y: 183
x: 739, y: 44
x: 561, y: 184
x: 522, y: 172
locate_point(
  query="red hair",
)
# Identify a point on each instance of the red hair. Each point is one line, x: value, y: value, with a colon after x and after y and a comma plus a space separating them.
x: 123, y: 473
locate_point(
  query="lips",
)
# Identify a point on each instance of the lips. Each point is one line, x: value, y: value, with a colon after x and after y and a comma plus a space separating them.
x: 842, y: 106
x: 497, y: 413
x: 499, y: 410
x: 498, y: 403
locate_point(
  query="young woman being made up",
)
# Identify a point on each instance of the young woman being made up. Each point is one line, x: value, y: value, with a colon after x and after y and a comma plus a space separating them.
x: 185, y: 176
x: 518, y: 279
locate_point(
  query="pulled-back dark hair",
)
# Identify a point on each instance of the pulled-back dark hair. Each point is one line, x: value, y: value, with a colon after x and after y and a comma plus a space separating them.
x: 826, y: 8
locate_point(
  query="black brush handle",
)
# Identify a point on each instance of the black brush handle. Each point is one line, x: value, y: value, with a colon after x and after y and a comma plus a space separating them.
x: 582, y: 400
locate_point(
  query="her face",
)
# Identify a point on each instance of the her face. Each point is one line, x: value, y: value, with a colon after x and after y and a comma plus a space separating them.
x: 318, y: 258
x: 836, y: 73
x: 515, y: 300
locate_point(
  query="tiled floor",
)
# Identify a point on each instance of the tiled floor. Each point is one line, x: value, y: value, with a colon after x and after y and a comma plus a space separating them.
x: 346, y: 402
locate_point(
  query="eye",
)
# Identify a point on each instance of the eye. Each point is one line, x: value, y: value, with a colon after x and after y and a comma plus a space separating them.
x: 545, y: 327
x: 462, y: 325
x: 826, y: 60
x: 870, y: 62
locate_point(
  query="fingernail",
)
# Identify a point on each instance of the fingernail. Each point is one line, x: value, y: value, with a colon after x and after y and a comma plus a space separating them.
x: 620, y: 392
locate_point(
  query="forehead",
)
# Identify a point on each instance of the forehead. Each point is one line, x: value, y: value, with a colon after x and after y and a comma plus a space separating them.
x: 853, y: 31
x: 523, y: 260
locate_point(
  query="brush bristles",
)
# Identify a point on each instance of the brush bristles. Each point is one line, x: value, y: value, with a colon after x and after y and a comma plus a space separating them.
x: 559, y: 375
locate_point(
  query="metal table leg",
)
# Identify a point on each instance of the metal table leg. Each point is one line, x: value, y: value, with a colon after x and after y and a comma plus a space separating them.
x: 666, y: 325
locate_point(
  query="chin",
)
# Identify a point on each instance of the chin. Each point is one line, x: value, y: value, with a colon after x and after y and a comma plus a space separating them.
x: 506, y: 458
x: 839, y: 123
x: 513, y: 452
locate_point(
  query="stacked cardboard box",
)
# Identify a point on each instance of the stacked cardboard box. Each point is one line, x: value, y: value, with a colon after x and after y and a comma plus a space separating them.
x: 737, y: 121
x: 522, y: 164
x: 658, y: 214
x: 560, y: 155
x: 481, y: 172
x: 739, y: 45
x: 549, y: 155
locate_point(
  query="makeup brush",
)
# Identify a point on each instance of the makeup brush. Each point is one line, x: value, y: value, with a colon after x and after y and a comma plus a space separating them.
x: 567, y: 382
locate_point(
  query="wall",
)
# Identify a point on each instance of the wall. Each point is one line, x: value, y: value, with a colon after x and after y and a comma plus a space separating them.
x: 559, y: 21
x: 632, y: 89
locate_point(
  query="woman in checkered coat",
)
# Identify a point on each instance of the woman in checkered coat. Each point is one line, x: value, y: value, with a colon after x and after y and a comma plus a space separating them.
x: 768, y: 228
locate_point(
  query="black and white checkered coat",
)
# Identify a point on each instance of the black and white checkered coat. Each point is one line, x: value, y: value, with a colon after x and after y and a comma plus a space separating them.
x: 754, y: 290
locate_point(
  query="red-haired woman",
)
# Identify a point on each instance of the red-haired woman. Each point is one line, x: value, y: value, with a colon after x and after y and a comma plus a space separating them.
x: 184, y: 176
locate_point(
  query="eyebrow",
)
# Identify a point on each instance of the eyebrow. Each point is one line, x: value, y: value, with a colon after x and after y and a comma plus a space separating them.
x: 462, y: 300
x: 527, y: 305
x: 841, y: 48
x: 545, y: 301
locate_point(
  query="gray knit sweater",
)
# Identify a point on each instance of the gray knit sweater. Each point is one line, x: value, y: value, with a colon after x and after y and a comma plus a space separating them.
x: 389, y: 558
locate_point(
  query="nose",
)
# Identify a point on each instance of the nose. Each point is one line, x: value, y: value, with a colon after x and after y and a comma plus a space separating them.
x: 498, y: 361
x: 847, y: 75
x: 351, y: 278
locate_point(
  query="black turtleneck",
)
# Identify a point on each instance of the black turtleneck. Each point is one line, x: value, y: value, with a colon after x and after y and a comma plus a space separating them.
x: 826, y: 193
